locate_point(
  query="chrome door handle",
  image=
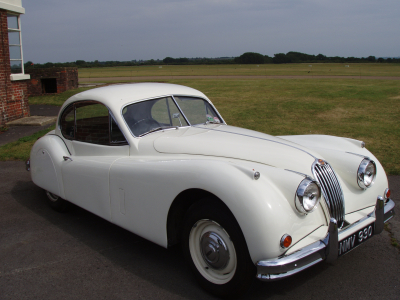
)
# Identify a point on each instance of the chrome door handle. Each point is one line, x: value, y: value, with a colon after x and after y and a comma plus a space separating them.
x: 67, y: 158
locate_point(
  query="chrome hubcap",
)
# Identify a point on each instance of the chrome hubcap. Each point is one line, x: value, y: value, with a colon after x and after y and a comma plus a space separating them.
x: 214, y: 250
x: 51, y: 196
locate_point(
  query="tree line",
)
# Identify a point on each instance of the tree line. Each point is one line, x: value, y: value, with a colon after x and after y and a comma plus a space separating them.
x: 298, y: 57
x: 245, y: 58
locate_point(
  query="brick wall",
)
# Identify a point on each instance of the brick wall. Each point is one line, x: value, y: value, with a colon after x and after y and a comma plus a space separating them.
x: 13, y: 94
x: 66, y: 79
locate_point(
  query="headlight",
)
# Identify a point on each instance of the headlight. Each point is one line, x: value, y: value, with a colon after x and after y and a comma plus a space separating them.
x: 366, y: 173
x: 307, y: 196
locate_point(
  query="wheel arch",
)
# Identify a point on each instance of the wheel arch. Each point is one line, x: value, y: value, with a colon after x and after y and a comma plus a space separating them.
x: 180, y: 206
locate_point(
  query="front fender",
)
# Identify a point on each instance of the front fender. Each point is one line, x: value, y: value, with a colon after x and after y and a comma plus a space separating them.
x: 264, y: 208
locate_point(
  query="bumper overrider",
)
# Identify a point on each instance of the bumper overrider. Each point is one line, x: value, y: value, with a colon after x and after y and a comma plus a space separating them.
x: 326, y: 249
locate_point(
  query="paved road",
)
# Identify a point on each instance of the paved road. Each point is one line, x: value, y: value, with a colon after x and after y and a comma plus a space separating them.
x: 16, y: 132
x: 48, y: 255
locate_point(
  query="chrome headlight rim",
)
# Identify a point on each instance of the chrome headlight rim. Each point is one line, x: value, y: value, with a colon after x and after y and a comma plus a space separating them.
x: 363, y: 181
x: 301, y: 195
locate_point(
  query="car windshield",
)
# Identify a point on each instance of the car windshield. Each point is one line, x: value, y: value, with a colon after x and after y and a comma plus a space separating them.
x: 162, y: 113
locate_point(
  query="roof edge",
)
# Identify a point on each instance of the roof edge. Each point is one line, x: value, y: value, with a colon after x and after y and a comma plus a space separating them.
x: 12, y: 8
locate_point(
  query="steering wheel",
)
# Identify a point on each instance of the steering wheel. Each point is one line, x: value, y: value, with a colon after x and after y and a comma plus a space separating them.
x: 143, y: 126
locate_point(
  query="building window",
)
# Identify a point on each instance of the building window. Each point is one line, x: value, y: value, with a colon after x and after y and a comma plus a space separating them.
x: 14, y: 40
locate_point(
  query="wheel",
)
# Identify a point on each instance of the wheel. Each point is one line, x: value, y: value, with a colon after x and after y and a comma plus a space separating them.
x: 57, y: 203
x: 216, y: 251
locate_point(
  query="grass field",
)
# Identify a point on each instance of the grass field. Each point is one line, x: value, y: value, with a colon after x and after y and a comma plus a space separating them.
x: 388, y: 70
x: 365, y: 109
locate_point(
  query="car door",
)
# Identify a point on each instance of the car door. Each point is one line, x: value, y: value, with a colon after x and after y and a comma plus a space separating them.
x: 96, y: 143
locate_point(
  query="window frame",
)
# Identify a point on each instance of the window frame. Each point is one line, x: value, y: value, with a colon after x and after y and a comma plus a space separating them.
x: 20, y: 43
x: 110, y: 118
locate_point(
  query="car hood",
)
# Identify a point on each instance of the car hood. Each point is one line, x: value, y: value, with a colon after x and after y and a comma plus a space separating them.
x: 237, y: 143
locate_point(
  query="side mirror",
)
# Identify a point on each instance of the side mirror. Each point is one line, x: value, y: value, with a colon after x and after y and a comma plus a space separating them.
x: 176, y: 116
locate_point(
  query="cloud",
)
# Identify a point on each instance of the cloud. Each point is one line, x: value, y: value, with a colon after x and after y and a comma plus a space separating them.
x: 126, y: 30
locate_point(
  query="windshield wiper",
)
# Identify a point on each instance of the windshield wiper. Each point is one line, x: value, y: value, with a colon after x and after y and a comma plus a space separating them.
x: 157, y: 129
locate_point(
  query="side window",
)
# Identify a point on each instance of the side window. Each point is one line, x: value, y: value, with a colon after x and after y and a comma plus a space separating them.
x: 68, y: 122
x: 117, y: 137
x: 91, y: 122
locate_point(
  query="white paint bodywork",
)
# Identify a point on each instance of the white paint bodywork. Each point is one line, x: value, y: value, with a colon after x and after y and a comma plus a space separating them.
x: 135, y: 185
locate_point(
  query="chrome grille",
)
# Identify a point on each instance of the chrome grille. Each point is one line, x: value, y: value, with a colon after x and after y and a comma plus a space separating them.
x: 331, y: 189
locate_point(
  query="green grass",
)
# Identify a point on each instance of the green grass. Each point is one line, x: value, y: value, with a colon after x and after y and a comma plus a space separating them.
x: 367, y: 110
x: 20, y: 150
x: 56, y: 99
x: 363, y: 109
x: 372, y: 69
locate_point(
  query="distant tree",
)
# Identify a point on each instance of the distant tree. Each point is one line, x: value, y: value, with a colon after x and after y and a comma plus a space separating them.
x: 168, y: 60
x: 280, y: 58
x: 267, y: 59
x: 380, y: 60
x: 80, y: 63
x: 321, y: 57
x: 48, y: 65
x: 371, y: 58
x: 28, y: 64
x: 389, y: 60
x: 250, y: 58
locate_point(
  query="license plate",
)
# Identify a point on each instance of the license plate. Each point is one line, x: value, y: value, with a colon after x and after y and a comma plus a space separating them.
x: 355, y: 239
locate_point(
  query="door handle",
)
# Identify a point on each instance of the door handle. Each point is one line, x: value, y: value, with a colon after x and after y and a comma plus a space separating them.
x: 67, y: 158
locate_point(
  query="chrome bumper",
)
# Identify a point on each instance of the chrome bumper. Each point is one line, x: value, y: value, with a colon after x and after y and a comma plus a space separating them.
x: 325, y: 249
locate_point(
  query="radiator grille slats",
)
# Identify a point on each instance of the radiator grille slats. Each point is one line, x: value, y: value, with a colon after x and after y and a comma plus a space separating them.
x: 331, y: 190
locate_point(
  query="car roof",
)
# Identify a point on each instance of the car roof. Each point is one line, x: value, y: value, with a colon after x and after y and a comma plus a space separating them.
x: 117, y: 95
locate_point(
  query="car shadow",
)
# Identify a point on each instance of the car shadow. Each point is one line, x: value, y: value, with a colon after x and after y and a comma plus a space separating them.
x: 163, y: 268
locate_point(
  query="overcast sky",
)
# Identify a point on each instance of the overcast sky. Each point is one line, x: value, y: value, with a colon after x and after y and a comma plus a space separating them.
x: 62, y: 31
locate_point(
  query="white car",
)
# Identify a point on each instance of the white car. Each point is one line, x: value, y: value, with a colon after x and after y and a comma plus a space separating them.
x: 160, y: 161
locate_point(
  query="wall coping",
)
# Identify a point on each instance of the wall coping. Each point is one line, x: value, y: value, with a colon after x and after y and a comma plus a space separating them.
x: 14, y: 6
x: 15, y: 77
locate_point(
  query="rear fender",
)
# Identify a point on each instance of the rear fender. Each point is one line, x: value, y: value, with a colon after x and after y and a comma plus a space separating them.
x: 46, y: 159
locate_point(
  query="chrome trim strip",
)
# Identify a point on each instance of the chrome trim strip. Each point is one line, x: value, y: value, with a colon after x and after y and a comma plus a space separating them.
x: 325, y: 249
x: 331, y: 189
x: 272, y: 277
x: 302, y: 174
x: 357, y: 154
x: 281, y: 267
x: 181, y: 111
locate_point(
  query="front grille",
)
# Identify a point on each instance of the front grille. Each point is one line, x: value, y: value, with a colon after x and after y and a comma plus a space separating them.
x: 331, y: 189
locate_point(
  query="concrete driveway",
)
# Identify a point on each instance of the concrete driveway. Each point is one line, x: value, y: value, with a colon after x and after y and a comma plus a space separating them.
x: 77, y: 255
